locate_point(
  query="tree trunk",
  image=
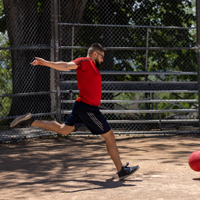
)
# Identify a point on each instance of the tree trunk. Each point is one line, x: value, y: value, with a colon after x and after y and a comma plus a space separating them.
x: 29, y: 24
x: 28, y: 27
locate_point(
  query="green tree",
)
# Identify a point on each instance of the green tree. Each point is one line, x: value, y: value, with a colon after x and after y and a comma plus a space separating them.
x: 5, y: 66
x: 146, y: 12
x: 5, y: 80
x: 30, y: 25
x: 27, y: 25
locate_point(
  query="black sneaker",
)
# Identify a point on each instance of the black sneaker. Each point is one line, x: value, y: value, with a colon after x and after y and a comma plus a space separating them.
x: 127, y: 171
x: 22, y: 121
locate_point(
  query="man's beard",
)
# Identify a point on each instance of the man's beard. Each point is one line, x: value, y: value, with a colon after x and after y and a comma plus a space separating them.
x: 97, y: 63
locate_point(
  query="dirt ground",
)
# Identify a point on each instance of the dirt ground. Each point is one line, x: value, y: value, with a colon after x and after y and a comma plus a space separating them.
x: 80, y: 168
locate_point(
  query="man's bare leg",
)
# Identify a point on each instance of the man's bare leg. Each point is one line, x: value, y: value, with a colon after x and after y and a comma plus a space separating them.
x: 53, y: 126
x: 112, y: 149
x: 123, y: 171
x: 28, y: 120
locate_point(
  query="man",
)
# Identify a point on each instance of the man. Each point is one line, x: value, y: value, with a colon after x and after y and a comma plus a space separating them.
x: 85, y: 109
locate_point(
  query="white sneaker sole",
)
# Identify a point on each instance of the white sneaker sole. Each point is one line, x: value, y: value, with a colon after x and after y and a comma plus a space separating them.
x: 20, y: 119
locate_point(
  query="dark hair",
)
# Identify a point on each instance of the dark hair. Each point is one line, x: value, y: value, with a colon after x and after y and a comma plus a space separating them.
x: 95, y: 47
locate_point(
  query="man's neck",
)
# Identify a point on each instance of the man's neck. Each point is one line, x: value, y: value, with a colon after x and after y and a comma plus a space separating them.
x: 90, y: 58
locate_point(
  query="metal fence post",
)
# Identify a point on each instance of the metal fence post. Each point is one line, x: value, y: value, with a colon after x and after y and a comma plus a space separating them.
x: 147, y: 95
x: 56, y: 58
x: 72, y: 52
x: 198, y: 50
x: 147, y: 45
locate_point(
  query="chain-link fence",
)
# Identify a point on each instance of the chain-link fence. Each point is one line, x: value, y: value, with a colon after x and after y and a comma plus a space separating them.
x: 26, y: 33
x: 149, y: 74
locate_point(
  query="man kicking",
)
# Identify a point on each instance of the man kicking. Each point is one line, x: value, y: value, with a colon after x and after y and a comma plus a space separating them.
x: 85, y: 109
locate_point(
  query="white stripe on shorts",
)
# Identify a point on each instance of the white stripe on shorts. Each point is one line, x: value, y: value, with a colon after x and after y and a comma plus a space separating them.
x: 95, y: 120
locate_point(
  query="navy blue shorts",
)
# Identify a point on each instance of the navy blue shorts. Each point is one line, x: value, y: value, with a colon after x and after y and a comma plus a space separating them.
x: 90, y: 116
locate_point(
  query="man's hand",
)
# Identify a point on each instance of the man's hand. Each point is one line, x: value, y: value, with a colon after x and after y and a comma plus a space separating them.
x: 38, y: 61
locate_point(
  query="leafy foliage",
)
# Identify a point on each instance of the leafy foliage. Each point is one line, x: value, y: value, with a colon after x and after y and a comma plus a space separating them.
x: 149, y: 13
x: 133, y: 13
x: 157, y: 13
x: 5, y: 77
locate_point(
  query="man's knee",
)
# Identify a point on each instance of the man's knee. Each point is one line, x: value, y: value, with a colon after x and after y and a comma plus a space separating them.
x: 109, y: 136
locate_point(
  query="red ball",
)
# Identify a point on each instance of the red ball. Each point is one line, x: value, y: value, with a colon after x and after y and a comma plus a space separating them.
x: 194, y: 161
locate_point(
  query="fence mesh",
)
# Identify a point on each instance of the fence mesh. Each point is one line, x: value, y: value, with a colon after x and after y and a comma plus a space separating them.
x: 152, y: 37
x: 26, y: 33
x: 149, y: 74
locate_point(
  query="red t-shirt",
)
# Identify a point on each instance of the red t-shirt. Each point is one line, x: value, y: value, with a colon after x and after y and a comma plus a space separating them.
x: 89, y: 81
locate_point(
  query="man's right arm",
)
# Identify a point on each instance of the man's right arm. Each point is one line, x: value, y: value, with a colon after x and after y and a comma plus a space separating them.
x: 62, y: 66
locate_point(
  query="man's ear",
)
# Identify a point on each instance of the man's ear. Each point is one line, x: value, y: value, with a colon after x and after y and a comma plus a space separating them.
x: 94, y: 54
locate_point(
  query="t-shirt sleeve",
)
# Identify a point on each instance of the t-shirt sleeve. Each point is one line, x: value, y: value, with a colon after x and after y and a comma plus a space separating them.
x: 78, y: 62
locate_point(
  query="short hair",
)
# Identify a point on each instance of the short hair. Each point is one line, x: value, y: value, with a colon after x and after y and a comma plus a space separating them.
x: 95, y: 47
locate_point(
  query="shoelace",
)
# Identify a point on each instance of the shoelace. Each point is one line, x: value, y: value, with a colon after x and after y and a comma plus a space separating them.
x: 126, y: 164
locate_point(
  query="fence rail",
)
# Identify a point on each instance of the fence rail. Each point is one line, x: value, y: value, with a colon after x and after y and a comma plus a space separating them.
x: 136, y: 73
x: 149, y: 71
